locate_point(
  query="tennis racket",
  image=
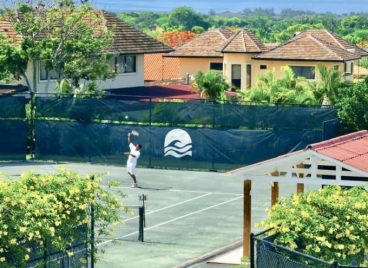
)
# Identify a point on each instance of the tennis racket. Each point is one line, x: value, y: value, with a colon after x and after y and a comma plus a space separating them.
x: 134, y: 133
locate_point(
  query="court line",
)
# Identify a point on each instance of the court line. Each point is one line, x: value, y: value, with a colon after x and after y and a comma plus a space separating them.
x: 174, y: 219
x: 187, y: 191
x: 202, y: 192
x: 171, y: 206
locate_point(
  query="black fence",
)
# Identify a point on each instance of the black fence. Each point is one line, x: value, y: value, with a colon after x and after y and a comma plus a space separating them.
x: 50, y: 257
x: 266, y: 254
x: 182, y: 135
x: 13, y: 128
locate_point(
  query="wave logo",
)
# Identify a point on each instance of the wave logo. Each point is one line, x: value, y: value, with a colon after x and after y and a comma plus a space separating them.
x: 178, y: 144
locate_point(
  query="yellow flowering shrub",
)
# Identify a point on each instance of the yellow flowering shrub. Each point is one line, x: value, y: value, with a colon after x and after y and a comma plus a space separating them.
x: 46, y: 210
x: 330, y: 224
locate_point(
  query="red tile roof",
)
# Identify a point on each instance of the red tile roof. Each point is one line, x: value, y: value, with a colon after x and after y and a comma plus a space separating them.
x: 351, y: 149
x: 244, y: 41
x: 207, y: 44
x: 308, y: 47
x: 334, y: 40
x: 126, y: 39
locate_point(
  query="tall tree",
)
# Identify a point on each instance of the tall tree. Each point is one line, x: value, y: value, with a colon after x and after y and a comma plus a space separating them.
x: 326, y: 88
x: 186, y: 18
x: 69, y: 39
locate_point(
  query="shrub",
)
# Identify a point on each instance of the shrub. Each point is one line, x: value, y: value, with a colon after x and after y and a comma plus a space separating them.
x: 286, y: 90
x: 211, y: 85
x: 46, y: 210
x: 351, y: 105
x: 331, y: 224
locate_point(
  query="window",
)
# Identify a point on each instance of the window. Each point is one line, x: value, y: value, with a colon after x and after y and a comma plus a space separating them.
x: 249, y: 75
x: 308, y: 72
x: 348, y: 68
x: 263, y: 67
x: 125, y: 64
x: 46, y: 74
x: 336, y: 67
x: 216, y: 66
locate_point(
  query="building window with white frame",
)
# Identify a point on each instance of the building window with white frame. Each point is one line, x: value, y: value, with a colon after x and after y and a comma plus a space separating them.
x: 263, y: 67
x: 216, y: 66
x: 125, y: 64
x: 308, y: 72
x: 46, y: 75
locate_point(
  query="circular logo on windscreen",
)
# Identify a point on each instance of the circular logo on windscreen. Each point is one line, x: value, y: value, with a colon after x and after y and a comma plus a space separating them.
x: 178, y: 144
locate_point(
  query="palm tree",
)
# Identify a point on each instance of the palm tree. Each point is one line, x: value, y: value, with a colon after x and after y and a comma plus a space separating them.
x: 286, y: 90
x: 211, y: 85
x: 326, y: 89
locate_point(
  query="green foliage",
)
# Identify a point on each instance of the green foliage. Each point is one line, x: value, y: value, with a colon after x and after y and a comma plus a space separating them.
x: 46, y: 210
x: 351, y: 105
x: 364, y: 62
x: 13, y: 62
x: 326, y: 89
x: 198, y: 29
x: 290, y: 31
x: 185, y: 18
x: 287, y: 90
x: 143, y: 20
x: 265, y: 23
x: 358, y: 36
x: 75, y: 43
x: 211, y: 85
x: 331, y: 224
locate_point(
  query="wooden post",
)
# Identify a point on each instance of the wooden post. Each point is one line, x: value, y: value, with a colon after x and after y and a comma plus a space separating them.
x: 300, y: 186
x: 274, y: 193
x: 247, y: 213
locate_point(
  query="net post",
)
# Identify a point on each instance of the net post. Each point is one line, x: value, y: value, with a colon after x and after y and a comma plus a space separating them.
x: 247, y: 212
x: 141, y: 224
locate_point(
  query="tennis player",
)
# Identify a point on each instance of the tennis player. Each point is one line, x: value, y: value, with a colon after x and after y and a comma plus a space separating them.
x: 132, y: 160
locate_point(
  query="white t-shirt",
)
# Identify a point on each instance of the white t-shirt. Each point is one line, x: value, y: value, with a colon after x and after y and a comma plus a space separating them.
x: 133, y: 160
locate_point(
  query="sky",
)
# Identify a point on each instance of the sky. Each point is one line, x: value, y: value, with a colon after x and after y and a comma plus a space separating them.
x: 204, y: 6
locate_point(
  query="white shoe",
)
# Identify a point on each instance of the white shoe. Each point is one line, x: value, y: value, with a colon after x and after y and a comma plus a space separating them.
x: 134, y: 185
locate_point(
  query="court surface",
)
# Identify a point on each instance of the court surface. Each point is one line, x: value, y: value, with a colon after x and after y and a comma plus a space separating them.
x: 188, y: 213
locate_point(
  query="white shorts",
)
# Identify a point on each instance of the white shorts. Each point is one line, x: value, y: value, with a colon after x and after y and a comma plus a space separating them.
x: 131, y: 168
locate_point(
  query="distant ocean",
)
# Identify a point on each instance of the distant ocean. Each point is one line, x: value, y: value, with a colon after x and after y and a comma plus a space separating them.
x: 204, y: 6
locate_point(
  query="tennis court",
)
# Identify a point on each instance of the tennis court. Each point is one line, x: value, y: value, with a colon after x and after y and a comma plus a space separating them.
x: 187, y: 213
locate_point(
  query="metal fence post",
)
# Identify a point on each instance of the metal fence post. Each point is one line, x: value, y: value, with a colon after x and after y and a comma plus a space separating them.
x: 150, y: 134
x: 252, y: 250
x: 45, y: 254
x: 92, y: 231
x: 32, y: 126
x: 213, y: 127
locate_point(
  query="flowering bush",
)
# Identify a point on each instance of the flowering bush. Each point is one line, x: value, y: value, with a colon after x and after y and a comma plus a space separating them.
x: 45, y: 211
x: 331, y: 224
x: 177, y: 38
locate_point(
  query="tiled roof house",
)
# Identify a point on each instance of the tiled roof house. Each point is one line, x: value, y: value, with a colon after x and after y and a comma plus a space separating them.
x: 202, y: 53
x: 129, y: 46
x: 246, y: 57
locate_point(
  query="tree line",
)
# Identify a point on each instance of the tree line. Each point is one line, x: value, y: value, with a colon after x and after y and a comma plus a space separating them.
x: 269, y: 26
